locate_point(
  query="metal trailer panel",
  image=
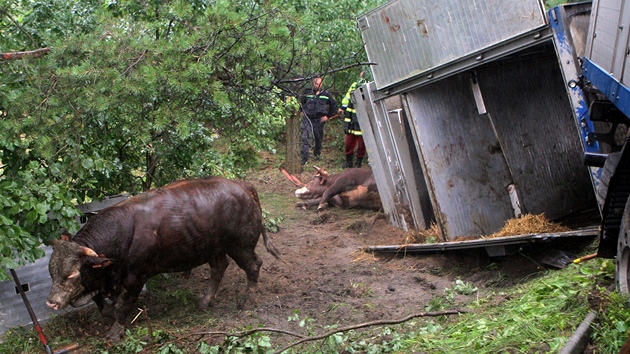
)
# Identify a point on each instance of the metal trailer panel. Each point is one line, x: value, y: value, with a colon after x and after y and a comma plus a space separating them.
x: 606, y: 56
x: 570, y: 25
x: 532, y: 117
x: 393, y: 160
x: 408, y: 37
x: 607, y: 42
x: 497, y: 246
x: 499, y: 141
x: 370, y: 127
x: 466, y: 173
x: 411, y: 187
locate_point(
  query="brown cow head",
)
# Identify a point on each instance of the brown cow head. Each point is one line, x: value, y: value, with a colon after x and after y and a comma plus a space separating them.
x: 315, y: 187
x: 65, y: 270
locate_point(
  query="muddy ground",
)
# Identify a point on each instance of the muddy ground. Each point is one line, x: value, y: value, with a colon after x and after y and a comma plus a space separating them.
x: 327, y: 279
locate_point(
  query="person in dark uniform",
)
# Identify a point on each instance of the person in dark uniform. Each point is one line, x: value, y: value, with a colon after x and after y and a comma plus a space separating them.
x: 318, y: 105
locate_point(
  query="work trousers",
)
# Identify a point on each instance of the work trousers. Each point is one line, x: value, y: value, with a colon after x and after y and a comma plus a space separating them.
x: 311, y: 129
x: 354, y: 141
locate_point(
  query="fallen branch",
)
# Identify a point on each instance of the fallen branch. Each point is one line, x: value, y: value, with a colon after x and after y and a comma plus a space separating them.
x: 200, y: 335
x: 368, y: 324
x: 305, y: 339
x: 18, y: 55
x: 247, y: 333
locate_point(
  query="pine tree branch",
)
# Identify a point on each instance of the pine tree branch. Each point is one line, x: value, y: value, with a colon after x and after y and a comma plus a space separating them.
x: 19, y: 55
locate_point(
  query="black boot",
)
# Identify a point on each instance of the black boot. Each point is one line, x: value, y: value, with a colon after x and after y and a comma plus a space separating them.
x: 359, y: 162
x: 348, y: 161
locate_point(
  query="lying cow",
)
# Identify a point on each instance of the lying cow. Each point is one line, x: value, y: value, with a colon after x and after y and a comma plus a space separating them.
x: 169, y: 229
x: 352, y: 188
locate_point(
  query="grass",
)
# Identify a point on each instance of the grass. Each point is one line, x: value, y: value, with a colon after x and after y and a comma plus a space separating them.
x: 537, y: 316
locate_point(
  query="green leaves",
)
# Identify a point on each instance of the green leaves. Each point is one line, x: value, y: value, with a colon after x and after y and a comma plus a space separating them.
x: 134, y: 95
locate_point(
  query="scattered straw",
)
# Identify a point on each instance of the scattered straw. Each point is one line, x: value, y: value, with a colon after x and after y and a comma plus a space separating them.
x: 360, y: 256
x: 430, y: 235
x: 528, y: 224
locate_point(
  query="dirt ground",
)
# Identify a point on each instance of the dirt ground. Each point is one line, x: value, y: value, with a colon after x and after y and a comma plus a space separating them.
x: 326, y: 278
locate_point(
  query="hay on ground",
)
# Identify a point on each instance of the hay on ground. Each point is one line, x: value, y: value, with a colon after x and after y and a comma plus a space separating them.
x: 430, y: 235
x: 528, y: 224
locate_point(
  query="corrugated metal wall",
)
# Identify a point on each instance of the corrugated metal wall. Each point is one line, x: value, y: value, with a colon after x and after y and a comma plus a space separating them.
x: 393, y: 159
x: 410, y: 35
x: 465, y: 169
x: 531, y: 113
x: 608, y: 46
x: 498, y: 141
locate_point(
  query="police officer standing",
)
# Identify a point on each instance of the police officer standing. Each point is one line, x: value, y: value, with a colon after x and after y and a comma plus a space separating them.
x: 318, y: 106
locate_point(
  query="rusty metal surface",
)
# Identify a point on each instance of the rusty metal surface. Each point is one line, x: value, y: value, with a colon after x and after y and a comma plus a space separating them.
x: 416, y: 37
x: 368, y: 115
x: 532, y: 118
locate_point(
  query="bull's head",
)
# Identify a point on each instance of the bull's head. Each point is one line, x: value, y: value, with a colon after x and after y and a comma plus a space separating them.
x: 65, y: 270
x: 315, y: 187
x: 321, y: 174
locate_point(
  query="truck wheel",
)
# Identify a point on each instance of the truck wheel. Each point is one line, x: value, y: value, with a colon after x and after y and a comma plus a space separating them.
x: 607, y: 171
x: 622, y: 273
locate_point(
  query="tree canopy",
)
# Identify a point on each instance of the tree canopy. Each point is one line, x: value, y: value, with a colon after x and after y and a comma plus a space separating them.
x: 126, y: 95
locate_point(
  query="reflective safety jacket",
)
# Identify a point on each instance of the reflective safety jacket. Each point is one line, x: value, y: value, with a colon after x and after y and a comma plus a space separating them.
x: 316, y: 106
x: 350, y: 121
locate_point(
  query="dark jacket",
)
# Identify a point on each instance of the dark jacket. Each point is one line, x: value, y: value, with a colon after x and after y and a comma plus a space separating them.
x: 317, y: 106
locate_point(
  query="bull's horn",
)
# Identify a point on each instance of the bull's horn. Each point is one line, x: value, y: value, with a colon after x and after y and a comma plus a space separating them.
x: 292, y: 178
x: 65, y: 235
x: 321, y: 171
x: 87, y: 251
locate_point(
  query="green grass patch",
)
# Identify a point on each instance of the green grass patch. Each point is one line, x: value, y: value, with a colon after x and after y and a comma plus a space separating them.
x: 537, y: 316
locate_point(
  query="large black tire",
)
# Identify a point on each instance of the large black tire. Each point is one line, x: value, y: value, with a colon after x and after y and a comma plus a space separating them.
x: 622, y: 270
x: 607, y: 171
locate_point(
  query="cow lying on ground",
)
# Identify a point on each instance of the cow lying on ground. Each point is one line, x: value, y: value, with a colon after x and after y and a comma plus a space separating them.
x: 352, y: 188
x: 169, y: 229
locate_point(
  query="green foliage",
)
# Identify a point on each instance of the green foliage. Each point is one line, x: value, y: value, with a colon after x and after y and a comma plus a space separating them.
x: 271, y: 224
x: 540, y: 313
x: 464, y: 288
x: 306, y: 322
x: 27, y: 200
x: 20, y: 340
x: 134, y: 95
x: 536, y: 317
x: 612, y: 330
x: 448, y: 299
x: 553, y: 3
x: 133, y: 342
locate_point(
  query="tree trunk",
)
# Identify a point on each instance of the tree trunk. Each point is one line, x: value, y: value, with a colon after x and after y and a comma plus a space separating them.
x: 293, y: 162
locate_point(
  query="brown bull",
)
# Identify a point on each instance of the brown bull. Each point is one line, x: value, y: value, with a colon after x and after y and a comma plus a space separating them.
x: 352, y: 188
x: 169, y: 229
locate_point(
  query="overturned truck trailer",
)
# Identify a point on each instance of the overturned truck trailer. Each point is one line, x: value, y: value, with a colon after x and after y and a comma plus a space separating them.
x: 469, y: 122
